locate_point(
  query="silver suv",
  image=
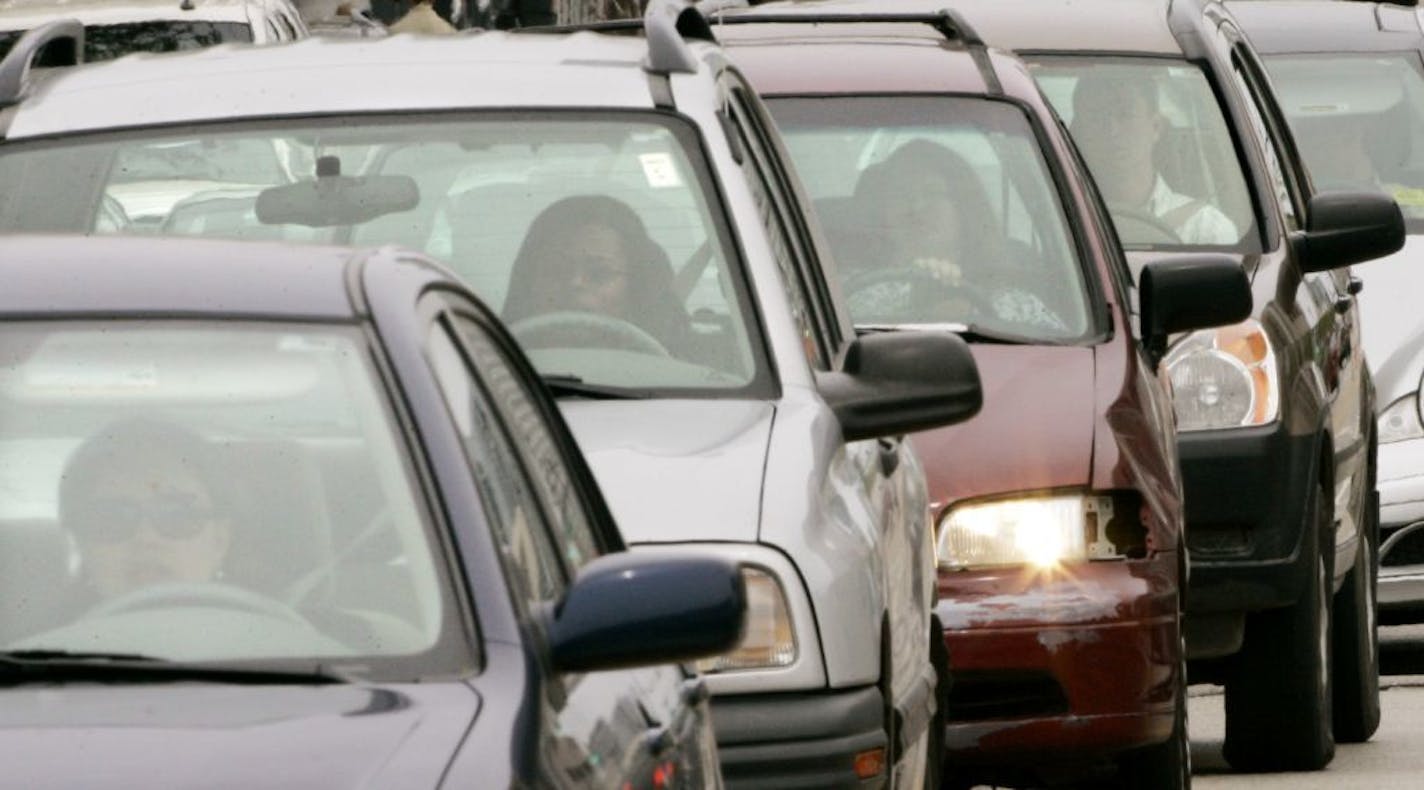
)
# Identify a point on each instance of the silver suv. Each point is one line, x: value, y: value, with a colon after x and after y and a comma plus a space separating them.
x: 627, y: 204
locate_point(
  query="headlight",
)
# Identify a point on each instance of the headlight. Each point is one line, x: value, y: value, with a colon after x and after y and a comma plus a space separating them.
x: 1401, y: 420
x: 1224, y: 378
x: 1042, y: 530
x: 769, y: 640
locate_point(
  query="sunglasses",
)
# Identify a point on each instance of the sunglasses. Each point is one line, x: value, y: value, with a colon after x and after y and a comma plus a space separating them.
x: 116, y: 520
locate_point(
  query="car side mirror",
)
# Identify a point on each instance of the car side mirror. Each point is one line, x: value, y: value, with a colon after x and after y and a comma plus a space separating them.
x: 1347, y: 227
x: 1187, y: 293
x: 626, y: 610
x: 894, y: 383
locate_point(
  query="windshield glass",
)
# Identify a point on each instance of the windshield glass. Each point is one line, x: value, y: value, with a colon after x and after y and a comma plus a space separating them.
x: 592, y: 235
x: 106, y: 42
x: 1159, y: 149
x: 939, y: 210
x: 211, y: 493
x: 1359, y: 121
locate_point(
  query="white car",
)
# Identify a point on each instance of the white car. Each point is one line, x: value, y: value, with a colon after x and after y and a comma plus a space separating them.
x: 627, y: 205
x: 119, y: 27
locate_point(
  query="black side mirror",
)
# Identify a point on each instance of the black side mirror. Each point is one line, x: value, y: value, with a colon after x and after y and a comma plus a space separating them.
x: 1348, y: 227
x: 628, y: 610
x: 1188, y: 293
x: 894, y: 383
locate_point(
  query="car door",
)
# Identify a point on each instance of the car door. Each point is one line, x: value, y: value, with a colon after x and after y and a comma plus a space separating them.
x: 880, y: 473
x: 603, y: 729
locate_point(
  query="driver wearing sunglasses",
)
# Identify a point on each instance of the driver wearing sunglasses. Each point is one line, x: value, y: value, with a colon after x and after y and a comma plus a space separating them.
x: 143, y: 501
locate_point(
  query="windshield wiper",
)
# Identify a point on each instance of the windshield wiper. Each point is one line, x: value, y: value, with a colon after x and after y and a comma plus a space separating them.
x: 565, y: 385
x: 18, y: 667
x: 972, y: 333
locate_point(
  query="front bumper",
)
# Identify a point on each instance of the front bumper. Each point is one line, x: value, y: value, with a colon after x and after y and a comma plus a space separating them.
x: 1076, y: 666
x: 1247, y: 493
x: 1401, y: 490
x: 799, y: 740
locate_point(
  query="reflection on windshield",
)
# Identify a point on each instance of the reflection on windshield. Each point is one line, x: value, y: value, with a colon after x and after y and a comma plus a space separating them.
x: 200, y: 494
x: 938, y: 221
x: 1158, y: 147
x: 593, y: 237
x: 1359, y: 120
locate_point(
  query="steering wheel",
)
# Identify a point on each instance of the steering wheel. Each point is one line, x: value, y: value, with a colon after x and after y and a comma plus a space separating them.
x: 210, y: 595
x: 926, y: 292
x: 625, y: 333
x: 1135, y: 226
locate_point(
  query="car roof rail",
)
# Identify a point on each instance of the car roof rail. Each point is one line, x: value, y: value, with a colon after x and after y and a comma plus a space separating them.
x: 666, y: 24
x: 946, y: 21
x: 40, y: 47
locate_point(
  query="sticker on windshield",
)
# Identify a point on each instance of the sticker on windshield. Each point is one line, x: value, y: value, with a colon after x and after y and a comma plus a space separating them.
x: 659, y: 170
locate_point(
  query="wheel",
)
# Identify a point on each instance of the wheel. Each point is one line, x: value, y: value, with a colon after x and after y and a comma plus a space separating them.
x: 894, y: 294
x: 584, y: 327
x: 1167, y: 765
x: 1356, y: 633
x: 1278, y: 697
x: 201, y: 595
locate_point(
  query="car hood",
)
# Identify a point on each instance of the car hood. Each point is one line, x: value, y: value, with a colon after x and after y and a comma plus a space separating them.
x: 1392, y: 323
x: 232, y: 736
x: 677, y: 470
x: 1034, y: 431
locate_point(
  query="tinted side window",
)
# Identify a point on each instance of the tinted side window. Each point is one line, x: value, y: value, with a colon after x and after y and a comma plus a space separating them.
x: 775, y: 215
x: 510, y: 502
x: 1286, y: 189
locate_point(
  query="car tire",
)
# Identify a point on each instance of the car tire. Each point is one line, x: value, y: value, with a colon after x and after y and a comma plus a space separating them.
x: 1278, y: 695
x: 939, y: 655
x: 1167, y: 765
x: 1356, y: 633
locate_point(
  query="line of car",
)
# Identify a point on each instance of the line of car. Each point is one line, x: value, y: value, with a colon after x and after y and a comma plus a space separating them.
x: 770, y: 261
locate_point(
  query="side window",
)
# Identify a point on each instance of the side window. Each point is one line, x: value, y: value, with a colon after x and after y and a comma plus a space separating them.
x: 1286, y: 193
x: 775, y: 215
x: 564, y: 510
x: 510, y: 503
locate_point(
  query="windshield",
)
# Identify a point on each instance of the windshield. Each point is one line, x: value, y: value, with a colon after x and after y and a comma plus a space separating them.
x: 1159, y: 149
x: 939, y: 210
x: 1359, y: 121
x: 106, y: 42
x: 592, y: 235
x: 211, y: 493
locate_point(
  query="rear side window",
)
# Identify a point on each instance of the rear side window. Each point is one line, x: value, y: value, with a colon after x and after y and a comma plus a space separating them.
x: 1153, y: 134
x: 106, y: 42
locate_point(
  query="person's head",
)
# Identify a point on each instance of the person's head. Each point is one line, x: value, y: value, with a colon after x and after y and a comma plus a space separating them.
x: 927, y: 201
x: 1117, y: 123
x: 588, y: 253
x: 145, y: 503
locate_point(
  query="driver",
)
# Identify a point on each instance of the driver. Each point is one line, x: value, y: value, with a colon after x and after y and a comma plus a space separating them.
x: 145, y: 504
x: 592, y: 254
x: 1116, y: 122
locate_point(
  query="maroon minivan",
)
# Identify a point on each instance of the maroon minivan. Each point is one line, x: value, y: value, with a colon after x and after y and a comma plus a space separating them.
x: 952, y: 199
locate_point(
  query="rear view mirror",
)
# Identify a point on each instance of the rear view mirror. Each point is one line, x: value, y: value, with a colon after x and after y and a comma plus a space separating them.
x: 1349, y: 227
x: 1187, y: 293
x: 894, y: 383
x: 332, y: 199
x: 626, y: 610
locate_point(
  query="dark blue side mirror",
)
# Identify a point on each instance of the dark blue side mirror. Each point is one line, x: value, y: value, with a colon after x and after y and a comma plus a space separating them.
x: 630, y: 609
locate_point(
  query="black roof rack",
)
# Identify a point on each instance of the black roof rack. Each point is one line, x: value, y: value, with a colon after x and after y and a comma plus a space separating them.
x: 42, y: 47
x: 947, y: 22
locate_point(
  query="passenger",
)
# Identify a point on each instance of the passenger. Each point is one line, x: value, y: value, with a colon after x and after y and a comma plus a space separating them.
x: 930, y: 212
x: 592, y: 254
x: 146, y: 504
x: 1117, y: 124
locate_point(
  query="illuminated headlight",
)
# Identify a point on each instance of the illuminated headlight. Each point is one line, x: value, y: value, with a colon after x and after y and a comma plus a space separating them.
x: 1224, y: 378
x: 769, y: 640
x: 1042, y: 531
x: 1401, y: 420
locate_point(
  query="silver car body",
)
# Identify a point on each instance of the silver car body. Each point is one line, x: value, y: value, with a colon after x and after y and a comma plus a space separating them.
x: 771, y: 482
